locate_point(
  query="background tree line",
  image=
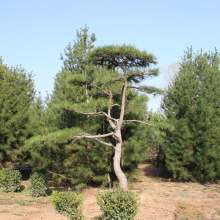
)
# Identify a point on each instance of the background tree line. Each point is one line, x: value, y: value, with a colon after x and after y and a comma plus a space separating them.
x: 184, y: 140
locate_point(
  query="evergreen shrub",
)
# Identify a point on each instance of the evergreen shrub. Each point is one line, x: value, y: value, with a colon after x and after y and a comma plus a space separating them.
x: 118, y: 204
x: 39, y: 184
x: 68, y: 204
x: 10, y: 179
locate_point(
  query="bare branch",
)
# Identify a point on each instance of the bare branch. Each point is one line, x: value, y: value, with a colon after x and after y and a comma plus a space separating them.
x: 99, y: 88
x: 116, y: 105
x: 142, y: 122
x: 92, y: 113
x: 85, y: 135
x: 95, y: 137
x: 90, y: 84
x: 105, y: 143
x: 120, y: 122
x: 109, y: 109
x: 109, y: 117
x: 118, y: 79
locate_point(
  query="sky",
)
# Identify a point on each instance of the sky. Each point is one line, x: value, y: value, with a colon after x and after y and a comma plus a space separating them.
x: 33, y: 33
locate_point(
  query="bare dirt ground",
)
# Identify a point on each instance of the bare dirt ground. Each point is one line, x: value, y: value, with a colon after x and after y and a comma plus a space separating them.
x: 159, y: 199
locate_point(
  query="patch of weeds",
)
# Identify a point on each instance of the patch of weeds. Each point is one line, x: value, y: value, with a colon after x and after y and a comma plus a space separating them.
x: 185, y: 192
x: 2, y: 191
x: 4, y: 211
x: 7, y: 201
x: 17, y: 214
x: 218, y: 212
x: 213, y: 194
x: 186, y: 211
x: 21, y: 202
x: 43, y: 201
x: 31, y: 201
x: 205, y: 189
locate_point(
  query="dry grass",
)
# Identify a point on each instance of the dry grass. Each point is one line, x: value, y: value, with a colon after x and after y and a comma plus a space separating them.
x: 159, y: 199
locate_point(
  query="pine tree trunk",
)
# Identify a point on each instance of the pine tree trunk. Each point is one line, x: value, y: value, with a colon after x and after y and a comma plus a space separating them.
x: 117, y: 163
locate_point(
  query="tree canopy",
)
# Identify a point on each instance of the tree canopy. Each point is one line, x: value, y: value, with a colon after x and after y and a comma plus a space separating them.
x: 121, y: 56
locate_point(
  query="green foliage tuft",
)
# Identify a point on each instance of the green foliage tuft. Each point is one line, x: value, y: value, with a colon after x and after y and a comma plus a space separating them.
x: 39, y: 184
x: 122, y: 54
x: 68, y: 204
x: 10, y: 180
x: 118, y: 204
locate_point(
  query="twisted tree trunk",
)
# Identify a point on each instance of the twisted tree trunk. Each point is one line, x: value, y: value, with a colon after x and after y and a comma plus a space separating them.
x: 117, y: 162
x: 117, y: 158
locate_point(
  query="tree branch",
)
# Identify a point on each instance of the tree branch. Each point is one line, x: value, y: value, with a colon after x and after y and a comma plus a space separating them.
x: 105, y: 143
x: 142, y: 122
x: 120, y: 122
x: 90, y: 84
x: 92, y: 113
x: 85, y: 135
x: 109, y: 117
x: 109, y: 109
x: 95, y: 137
x: 150, y: 73
x: 147, y: 89
x: 116, y: 105
x: 99, y: 88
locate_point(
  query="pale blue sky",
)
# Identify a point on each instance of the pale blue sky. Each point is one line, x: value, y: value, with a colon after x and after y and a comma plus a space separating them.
x: 33, y: 33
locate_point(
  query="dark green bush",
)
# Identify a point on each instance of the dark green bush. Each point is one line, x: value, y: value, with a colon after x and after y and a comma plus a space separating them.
x: 39, y: 184
x: 68, y: 204
x: 10, y: 179
x: 118, y: 204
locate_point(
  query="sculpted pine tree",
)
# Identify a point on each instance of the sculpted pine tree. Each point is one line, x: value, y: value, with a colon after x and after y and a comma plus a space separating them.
x: 97, y: 96
x: 121, y: 68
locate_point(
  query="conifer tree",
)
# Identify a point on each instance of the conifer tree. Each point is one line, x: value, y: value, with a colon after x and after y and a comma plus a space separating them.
x: 80, y: 105
x: 16, y: 97
x: 191, y: 148
x: 120, y: 72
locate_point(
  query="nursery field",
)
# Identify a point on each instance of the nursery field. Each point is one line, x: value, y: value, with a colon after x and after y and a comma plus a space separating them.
x: 159, y: 199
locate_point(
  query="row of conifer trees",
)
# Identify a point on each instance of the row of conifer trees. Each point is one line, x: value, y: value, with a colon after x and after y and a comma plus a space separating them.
x: 184, y: 140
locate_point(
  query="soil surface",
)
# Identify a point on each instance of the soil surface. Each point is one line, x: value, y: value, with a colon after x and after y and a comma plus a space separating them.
x: 159, y: 199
